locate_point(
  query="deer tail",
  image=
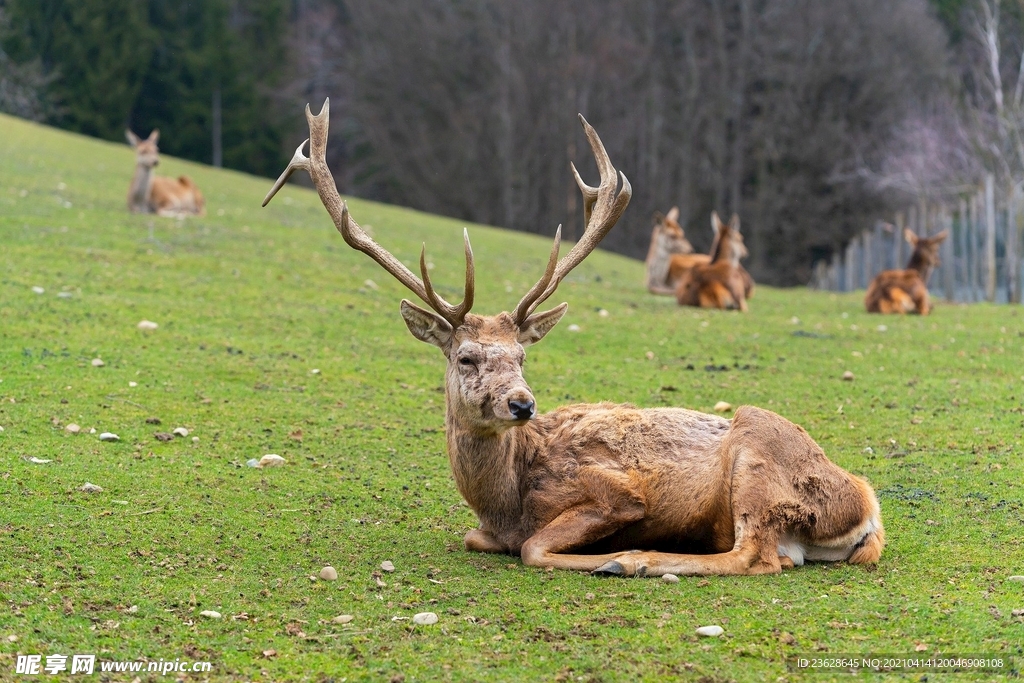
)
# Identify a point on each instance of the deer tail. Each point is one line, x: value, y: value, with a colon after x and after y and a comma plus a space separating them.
x: 716, y: 295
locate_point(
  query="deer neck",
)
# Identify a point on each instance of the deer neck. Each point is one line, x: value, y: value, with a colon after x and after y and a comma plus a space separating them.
x: 141, y: 182
x: 658, y: 257
x: 918, y: 264
x: 488, y: 469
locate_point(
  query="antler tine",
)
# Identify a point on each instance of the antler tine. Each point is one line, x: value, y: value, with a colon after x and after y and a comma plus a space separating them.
x: 526, y: 307
x: 353, y: 235
x: 455, y: 315
x: 602, y: 207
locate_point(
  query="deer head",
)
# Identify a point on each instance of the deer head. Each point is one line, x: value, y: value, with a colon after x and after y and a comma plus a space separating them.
x: 485, y: 387
x: 925, y: 256
x: 668, y: 234
x: 147, y: 154
x: 728, y: 242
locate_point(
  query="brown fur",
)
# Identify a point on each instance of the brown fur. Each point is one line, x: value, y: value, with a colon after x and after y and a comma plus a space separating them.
x: 149, y: 193
x: 906, y: 291
x: 670, y: 255
x: 723, y: 283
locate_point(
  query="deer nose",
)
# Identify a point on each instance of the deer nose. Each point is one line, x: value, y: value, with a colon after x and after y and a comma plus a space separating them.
x: 521, y: 410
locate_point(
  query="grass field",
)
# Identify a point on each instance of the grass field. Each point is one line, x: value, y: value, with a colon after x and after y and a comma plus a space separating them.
x: 275, y: 337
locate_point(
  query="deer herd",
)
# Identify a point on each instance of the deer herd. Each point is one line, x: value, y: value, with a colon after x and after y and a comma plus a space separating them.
x: 610, y: 488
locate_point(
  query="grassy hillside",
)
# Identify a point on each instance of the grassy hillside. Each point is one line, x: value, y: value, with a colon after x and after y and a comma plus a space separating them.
x: 275, y: 337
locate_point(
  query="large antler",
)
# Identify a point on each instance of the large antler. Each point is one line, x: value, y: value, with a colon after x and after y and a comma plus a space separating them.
x: 602, y: 207
x: 316, y: 166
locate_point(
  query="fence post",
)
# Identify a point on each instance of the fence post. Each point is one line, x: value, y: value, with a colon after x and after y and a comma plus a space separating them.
x: 990, y: 238
x: 948, y: 260
x: 897, y: 243
x: 869, y: 253
x: 848, y: 269
x: 833, y: 272
x: 1012, y: 262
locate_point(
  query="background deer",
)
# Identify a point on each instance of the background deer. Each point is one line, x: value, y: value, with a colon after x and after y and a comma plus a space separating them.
x: 722, y: 283
x: 149, y: 193
x: 906, y: 291
x: 585, y: 486
x: 670, y: 254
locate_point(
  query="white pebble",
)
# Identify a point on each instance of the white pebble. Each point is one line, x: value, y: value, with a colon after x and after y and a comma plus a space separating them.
x: 108, y: 436
x: 723, y: 407
x: 91, y: 488
x: 65, y: 295
x: 343, y: 619
x: 371, y: 284
x: 271, y: 460
x: 329, y: 573
x: 1, y: 429
x: 210, y: 614
x: 670, y: 578
x: 73, y: 428
x: 869, y: 449
x: 387, y: 566
x: 574, y: 328
x: 847, y: 376
x: 39, y: 461
x: 424, y: 618
x: 147, y: 325
x: 38, y: 290
x: 794, y: 320
x: 603, y: 313
x: 710, y: 631
x: 134, y: 609
x: 252, y: 462
x: 195, y: 439
x: 881, y: 328
x: 133, y: 384
x: 98, y: 362
x: 179, y: 431
x: 92, y: 430
x: 1016, y: 577
x: 315, y: 371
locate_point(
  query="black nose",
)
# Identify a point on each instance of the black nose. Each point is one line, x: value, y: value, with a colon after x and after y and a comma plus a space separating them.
x: 521, y: 410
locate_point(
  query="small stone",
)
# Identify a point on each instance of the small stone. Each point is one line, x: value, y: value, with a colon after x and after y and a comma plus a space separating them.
x: 315, y: 371
x: 147, y: 325
x: 133, y: 384
x: 343, y: 619
x: 109, y: 436
x: 371, y: 284
x: 91, y: 488
x: 210, y: 614
x: 271, y: 460
x: 38, y: 290
x: 269, y: 653
x: 387, y: 566
x: 869, y: 449
x: 72, y: 428
x: 179, y: 431
x: 649, y: 355
x: 12, y: 638
x: 723, y: 407
x: 670, y: 578
x: 1016, y: 577
x: 1017, y: 612
x: 1, y: 429
x: 603, y: 313
x: 64, y: 295
x: 195, y: 439
x: 794, y: 320
x: 424, y: 618
x: 710, y: 631
x: 787, y: 638
x: 92, y: 430
x: 574, y: 328
x: 252, y: 462
x: 589, y: 596
x: 133, y: 609
x: 329, y: 573
x: 163, y: 436
x: 881, y: 328
x: 847, y: 376
x: 98, y: 362
x: 39, y: 461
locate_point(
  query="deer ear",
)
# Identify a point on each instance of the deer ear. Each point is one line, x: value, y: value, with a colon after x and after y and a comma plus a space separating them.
x: 537, y: 325
x: 716, y: 222
x: 426, y: 326
x: 673, y: 214
x: 734, y: 222
x: 941, y: 237
x: 154, y: 136
x: 910, y: 237
x: 132, y: 138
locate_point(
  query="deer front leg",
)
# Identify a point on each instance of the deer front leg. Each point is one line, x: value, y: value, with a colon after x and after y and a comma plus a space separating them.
x: 481, y: 541
x: 576, y: 528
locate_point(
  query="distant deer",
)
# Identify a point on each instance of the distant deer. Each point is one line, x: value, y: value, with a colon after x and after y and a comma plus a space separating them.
x: 670, y: 254
x: 906, y: 291
x: 586, y: 486
x: 150, y: 193
x: 722, y: 283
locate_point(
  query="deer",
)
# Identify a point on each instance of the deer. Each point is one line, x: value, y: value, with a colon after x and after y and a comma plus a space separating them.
x: 722, y: 283
x: 906, y: 291
x: 149, y: 193
x: 670, y: 254
x: 607, y: 488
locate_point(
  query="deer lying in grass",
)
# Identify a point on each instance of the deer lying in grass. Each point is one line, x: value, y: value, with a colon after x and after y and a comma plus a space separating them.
x: 584, y: 487
x: 150, y: 193
x: 722, y: 283
x: 906, y: 291
x: 670, y: 254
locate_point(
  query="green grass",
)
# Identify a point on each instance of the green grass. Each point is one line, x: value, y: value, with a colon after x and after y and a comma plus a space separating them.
x: 250, y: 301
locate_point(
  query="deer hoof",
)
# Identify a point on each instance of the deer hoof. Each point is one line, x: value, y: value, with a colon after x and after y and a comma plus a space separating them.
x: 612, y: 568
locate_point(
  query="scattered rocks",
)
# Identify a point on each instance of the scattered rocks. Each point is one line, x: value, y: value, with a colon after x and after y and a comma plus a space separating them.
x: 670, y: 578
x: 271, y: 460
x: 387, y: 566
x: 847, y: 376
x: 210, y: 614
x: 343, y: 619
x: 72, y: 428
x: 163, y: 436
x: 723, y: 407
x: 329, y: 573
x: 147, y: 325
x: 424, y: 618
x: 710, y: 631
x: 109, y: 436
x: 180, y: 431
x: 91, y: 488
x: 98, y: 362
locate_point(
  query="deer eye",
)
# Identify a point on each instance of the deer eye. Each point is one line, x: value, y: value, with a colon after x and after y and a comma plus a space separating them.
x: 466, y: 360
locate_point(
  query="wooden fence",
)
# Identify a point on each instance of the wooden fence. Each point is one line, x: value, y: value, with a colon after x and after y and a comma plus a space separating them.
x: 981, y: 260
